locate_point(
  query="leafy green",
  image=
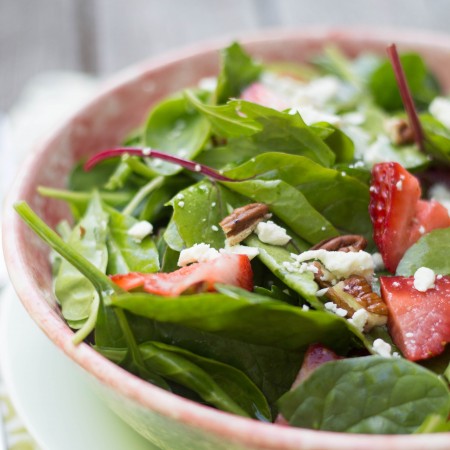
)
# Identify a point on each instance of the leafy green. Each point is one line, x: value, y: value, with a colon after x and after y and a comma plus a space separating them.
x: 238, y: 70
x: 367, y: 395
x: 174, y: 126
x: 422, y: 84
x: 437, y: 138
x: 431, y: 250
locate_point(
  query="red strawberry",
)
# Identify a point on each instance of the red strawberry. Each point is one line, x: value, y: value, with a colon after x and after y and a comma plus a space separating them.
x: 419, y: 322
x: 398, y: 215
x: 262, y: 95
x: 199, y: 277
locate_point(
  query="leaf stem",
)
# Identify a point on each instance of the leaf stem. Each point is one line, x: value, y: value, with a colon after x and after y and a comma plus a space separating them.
x: 142, y: 193
x: 405, y: 93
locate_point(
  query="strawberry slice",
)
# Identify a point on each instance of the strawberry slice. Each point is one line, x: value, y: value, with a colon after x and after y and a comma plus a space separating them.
x: 262, y: 95
x: 199, y: 277
x: 419, y: 322
x: 398, y: 215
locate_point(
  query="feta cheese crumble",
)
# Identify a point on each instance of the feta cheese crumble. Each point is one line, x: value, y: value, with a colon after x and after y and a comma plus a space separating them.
x: 377, y: 261
x: 382, y: 348
x: 214, y: 228
x: 332, y: 307
x: 271, y: 233
x: 424, y: 279
x: 340, y: 264
x: 181, y: 204
x: 140, y: 230
x: 440, y: 110
x: 251, y: 252
x: 359, y: 319
x: 197, y: 253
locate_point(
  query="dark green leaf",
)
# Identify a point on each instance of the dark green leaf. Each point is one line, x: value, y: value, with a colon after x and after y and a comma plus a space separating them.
x: 437, y: 138
x: 371, y: 394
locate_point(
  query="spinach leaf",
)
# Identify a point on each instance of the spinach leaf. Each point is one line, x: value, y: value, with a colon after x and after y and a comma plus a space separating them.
x: 217, y: 383
x: 340, y: 198
x: 73, y: 290
x: 371, y: 394
x: 422, y: 84
x: 243, y: 316
x: 198, y: 210
x: 338, y: 141
x: 434, y: 424
x: 431, y: 250
x: 174, y: 126
x: 172, y: 237
x: 273, y: 257
x: 290, y: 205
x: 125, y: 254
x: 238, y: 70
x: 437, y: 138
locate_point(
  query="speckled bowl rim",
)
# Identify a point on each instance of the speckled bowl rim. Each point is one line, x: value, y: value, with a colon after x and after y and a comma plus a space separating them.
x: 243, y: 431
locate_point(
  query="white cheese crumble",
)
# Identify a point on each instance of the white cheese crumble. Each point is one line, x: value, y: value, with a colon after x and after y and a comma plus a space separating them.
x: 208, y: 84
x: 321, y: 292
x: 382, y: 348
x: 377, y: 261
x: 399, y: 185
x: 422, y: 229
x: 198, y: 168
x: 332, y: 307
x: 440, y: 109
x: 197, y: 253
x: 271, y: 233
x: 359, y: 319
x: 251, y: 252
x: 424, y: 279
x: 180, y: 196
x: 340, y: 264
x: 214, y: 228
x: 140, y: 230
x: 181, y: 204
x: 305, y: 308
x: 146, y: 151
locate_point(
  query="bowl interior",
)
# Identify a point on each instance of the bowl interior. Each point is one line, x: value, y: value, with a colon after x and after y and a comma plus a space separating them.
x: 121, y: 106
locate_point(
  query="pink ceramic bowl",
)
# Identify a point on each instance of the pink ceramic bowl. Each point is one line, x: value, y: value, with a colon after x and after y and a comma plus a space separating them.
x: 169, y: 421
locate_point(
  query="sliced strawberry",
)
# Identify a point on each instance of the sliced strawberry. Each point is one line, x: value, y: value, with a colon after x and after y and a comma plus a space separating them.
x: 262, y: 95
x: 398, y: 215
x: 419, y: 322
x: 199, y: 277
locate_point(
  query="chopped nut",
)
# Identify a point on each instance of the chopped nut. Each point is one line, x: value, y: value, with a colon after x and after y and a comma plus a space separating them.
x: 346, y: 243
x: 243, y: 221
x: 355, y: 293
x: 399, y: 131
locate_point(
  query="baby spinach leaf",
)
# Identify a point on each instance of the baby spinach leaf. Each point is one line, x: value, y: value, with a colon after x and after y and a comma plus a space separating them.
x: 290, y: 205
x: 371, y: 394
x: 173, y: 238
x: 217, y: 383
x: 437, y: 138
x: 174, y: 126
x: 125, y: 254
x: 340, y: 198
x: 238, y: 70
x: 431, y: 250
x: 338, y: 141
x: 273, y: 257
x: 73, y: 290
x: 198, y: 210
x: 243, y: 316
x: 434, y: 423
x: 422, y: 84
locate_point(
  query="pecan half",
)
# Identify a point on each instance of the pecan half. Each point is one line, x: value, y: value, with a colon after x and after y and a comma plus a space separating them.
x: 355, y: 293
x: 399, y: 131
x: 243, y: 221
x: 346, y: 243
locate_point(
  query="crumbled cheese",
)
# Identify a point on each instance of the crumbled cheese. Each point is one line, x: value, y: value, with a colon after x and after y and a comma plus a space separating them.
x: 332, y: 307
x: 203, y: 188
x: 271, y: 233
x: 382, y: 348
x: 213, y: 204
x: 251, y: 252
x: 377, y: 261
x: 440, y: 109
x: 399, y: 185
x: 424, y: 279
x: 311, y: 115
x: 214, y: 228
x: 208, y: 84
x: 341, y: 264
x: 181, y: 204
x: 305, y: 308
x: 146, y: 151
x: 197, y: 253
x: 438, y: 277
x: 344, y: 174
x: 359, y: 319
x: 321, y: 292
x: 140, y: 230
x: 422, y: 229
x: 180, y: 196
x: 396, y: 284
x: 198, y: 168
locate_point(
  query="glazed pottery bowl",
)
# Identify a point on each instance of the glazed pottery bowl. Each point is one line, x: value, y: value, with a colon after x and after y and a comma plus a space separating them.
x: 166, y: 420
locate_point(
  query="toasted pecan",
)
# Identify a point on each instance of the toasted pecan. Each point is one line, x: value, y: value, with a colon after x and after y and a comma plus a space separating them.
x: 346, y: 243
x: 243, y: 221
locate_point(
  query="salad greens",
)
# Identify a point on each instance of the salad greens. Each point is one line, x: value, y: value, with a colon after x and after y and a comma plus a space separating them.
x: 304, y: 146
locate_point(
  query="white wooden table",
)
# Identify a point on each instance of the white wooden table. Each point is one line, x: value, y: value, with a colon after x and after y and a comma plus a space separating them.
x: 102, y: 36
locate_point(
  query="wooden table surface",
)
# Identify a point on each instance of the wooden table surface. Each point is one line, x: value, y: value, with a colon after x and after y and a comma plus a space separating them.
x: 102, y: 36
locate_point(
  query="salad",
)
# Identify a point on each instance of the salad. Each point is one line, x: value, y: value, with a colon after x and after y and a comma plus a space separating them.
x: 274, y: 243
